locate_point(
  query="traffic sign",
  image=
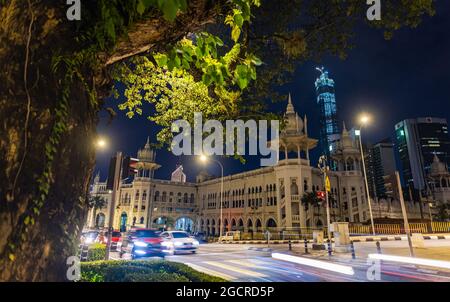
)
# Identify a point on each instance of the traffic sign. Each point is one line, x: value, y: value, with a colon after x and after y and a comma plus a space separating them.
x: 327, y: 184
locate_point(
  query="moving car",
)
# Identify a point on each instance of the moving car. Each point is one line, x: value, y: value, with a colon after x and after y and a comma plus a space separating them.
x: 115, y: 238
x: 89, y: 237
x: 178, y: 241
x: 142, y: 243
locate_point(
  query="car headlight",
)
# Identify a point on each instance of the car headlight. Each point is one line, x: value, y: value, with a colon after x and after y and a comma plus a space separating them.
x: 178, y: 243
x: 195, y: 242
x: 167, y: 243
x: 140, y: 244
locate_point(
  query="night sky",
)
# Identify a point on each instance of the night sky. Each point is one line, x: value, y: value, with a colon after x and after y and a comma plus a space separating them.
x: 406, y: 77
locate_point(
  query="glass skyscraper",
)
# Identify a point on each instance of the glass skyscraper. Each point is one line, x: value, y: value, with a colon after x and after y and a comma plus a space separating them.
x: 329, y: 129
x: 418, y: 140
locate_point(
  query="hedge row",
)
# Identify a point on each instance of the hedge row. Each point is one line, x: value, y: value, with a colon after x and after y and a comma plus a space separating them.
x: 142, y: 271
x: 97, y: 251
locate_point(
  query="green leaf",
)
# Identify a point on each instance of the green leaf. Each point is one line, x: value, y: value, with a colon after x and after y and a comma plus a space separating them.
x: 235, y: 33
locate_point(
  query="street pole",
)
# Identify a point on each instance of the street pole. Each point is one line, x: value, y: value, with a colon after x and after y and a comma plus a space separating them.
x: 405, y: 216
x: 324, y: 167
x: 221, y: 199
x: 366, y: 183
x: 116, y: 183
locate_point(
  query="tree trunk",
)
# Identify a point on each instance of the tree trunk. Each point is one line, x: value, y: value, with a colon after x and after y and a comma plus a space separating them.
x: 36, y: 239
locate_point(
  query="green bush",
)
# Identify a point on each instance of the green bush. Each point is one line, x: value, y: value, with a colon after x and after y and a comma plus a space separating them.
x: 97, y: 251
x: 142, y: 271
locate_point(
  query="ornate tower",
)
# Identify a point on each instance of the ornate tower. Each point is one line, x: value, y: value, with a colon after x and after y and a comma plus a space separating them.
x: 346, y: 157
x: 146, y: 166
x: 439, y: 178
x: 293, y: 175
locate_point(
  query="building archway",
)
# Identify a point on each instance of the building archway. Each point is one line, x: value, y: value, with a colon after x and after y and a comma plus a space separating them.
x: 240, y: 225
x: 233, y: 224
x: 319, y: 223
x: 100, y: 220
x: 123, y: 222
x: 184, y: 224
x: 271, y: 223
x: 258, y: 225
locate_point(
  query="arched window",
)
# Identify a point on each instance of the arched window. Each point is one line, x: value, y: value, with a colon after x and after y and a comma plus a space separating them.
x: 350, y: 164
x: 192, y: 199
x: 157, y: 196
x: 164, y: 196
x: 141, y: 221
x: 271, y: 223
x: 294, y: 188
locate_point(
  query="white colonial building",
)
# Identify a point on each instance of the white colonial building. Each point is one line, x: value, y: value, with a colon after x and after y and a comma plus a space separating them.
x: 269, y: 197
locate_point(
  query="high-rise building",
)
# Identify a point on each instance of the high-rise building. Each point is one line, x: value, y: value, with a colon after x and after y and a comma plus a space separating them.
x: 418, y: 140
x: 329, y: 129
x: 380, y: 163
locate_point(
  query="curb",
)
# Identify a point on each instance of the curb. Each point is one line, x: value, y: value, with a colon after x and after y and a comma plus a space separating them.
x: 260, y: 249
x: 403, y: 237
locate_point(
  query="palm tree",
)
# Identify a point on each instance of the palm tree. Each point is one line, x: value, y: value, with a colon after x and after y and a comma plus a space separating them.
x: 310, y: 199
x: 443, y: 212
x: 96, y: 202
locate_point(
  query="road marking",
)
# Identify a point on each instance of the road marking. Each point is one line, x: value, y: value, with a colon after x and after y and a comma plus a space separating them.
x: 235, y: 269
x: 210, y: 271
x: 263, y: 265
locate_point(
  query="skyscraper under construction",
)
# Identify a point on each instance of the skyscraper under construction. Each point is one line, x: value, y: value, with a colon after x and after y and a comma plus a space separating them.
x: 329, y: 129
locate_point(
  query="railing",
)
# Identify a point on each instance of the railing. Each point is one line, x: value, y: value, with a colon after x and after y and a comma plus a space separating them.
x: 295, y: 218
x: 391, y: 229
x: 440, y: 227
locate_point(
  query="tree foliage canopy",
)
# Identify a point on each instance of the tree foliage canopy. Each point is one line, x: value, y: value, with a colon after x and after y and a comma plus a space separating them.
x: 215, y: 71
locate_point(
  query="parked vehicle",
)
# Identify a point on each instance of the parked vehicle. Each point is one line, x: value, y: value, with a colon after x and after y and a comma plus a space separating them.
x: 230, y: 236
x: 142, y: 243
x: 178, y: 242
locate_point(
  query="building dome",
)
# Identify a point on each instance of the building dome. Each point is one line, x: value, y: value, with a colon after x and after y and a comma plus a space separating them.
x: 146, y: 154
x: 438, y: 167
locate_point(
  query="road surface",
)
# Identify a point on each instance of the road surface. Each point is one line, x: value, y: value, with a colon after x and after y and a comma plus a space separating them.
x: 235, y: 262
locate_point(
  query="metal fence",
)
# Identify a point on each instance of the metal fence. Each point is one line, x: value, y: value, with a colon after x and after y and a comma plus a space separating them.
x: 395, y: 229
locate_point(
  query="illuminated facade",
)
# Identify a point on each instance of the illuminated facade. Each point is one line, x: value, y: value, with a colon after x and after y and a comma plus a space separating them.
x: 418, y: 140
x: 253, y: 201
x: 326, y: 99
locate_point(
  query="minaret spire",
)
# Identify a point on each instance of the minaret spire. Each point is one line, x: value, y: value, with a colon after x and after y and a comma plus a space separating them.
x: 344, y: 129
x: 290, y: 106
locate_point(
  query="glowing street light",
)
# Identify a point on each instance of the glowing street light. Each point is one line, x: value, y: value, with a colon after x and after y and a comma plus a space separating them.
x: 364, y: 121
x: 204, y: 159
x: 101, y: 143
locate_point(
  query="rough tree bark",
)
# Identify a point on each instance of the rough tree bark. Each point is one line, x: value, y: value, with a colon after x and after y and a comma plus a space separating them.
x: 31, y: 32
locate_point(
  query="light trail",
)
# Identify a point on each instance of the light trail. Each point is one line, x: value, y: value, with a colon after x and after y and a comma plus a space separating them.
x: 347, y: 270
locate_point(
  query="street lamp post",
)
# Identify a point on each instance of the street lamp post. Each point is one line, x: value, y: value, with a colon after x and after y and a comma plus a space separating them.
x: 116, y: 183
x: 364, y: 121
x: 324, y: 168
x: 204, y: 159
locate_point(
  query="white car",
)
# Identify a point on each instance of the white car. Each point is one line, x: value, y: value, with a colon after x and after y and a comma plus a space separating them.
x: 178, y: 242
